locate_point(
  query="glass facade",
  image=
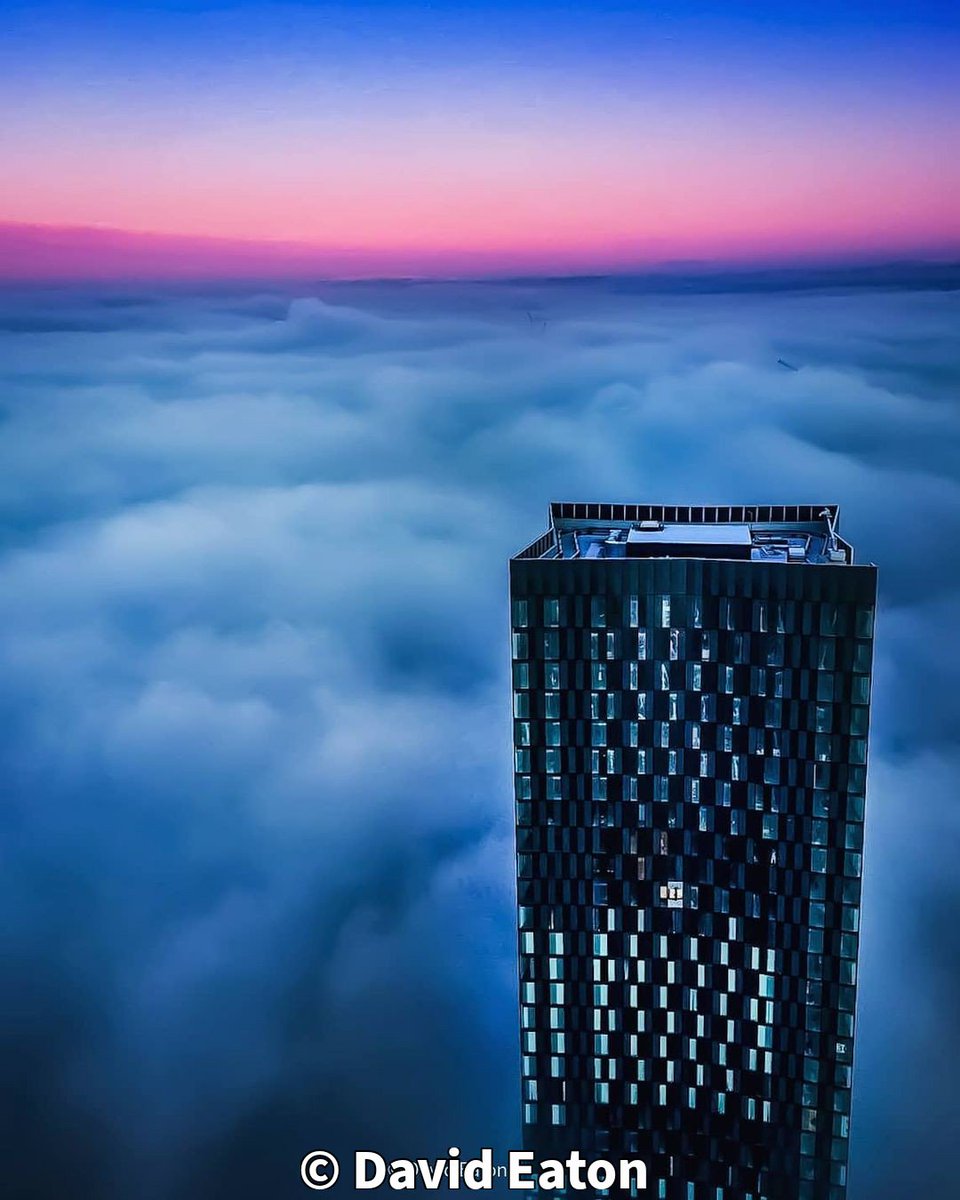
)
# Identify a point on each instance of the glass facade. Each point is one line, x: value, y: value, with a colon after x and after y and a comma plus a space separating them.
x: 691, y: 694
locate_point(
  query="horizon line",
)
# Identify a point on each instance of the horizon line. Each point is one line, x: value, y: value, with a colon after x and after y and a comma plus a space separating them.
x: 34, y: 253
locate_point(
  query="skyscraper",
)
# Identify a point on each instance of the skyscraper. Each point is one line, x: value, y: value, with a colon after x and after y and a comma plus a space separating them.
x: 691, y: 690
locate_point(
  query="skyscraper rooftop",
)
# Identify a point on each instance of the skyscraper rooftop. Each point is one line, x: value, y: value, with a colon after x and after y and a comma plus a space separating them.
x: 793, y: 533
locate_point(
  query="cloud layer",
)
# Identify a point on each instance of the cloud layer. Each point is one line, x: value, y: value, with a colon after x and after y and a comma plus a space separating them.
x: 257, y: 876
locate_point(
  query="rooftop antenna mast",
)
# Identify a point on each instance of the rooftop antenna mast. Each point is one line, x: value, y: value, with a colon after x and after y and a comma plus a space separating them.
x: 831, y: 529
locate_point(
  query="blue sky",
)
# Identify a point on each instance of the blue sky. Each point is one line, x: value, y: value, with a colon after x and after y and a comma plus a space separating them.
x: 443, y: 139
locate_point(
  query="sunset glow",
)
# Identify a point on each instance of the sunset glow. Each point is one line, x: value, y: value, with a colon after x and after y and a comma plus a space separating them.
x: 390, y: 138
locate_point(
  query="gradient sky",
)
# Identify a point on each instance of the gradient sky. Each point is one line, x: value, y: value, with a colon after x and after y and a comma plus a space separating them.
x: 373, y: 137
